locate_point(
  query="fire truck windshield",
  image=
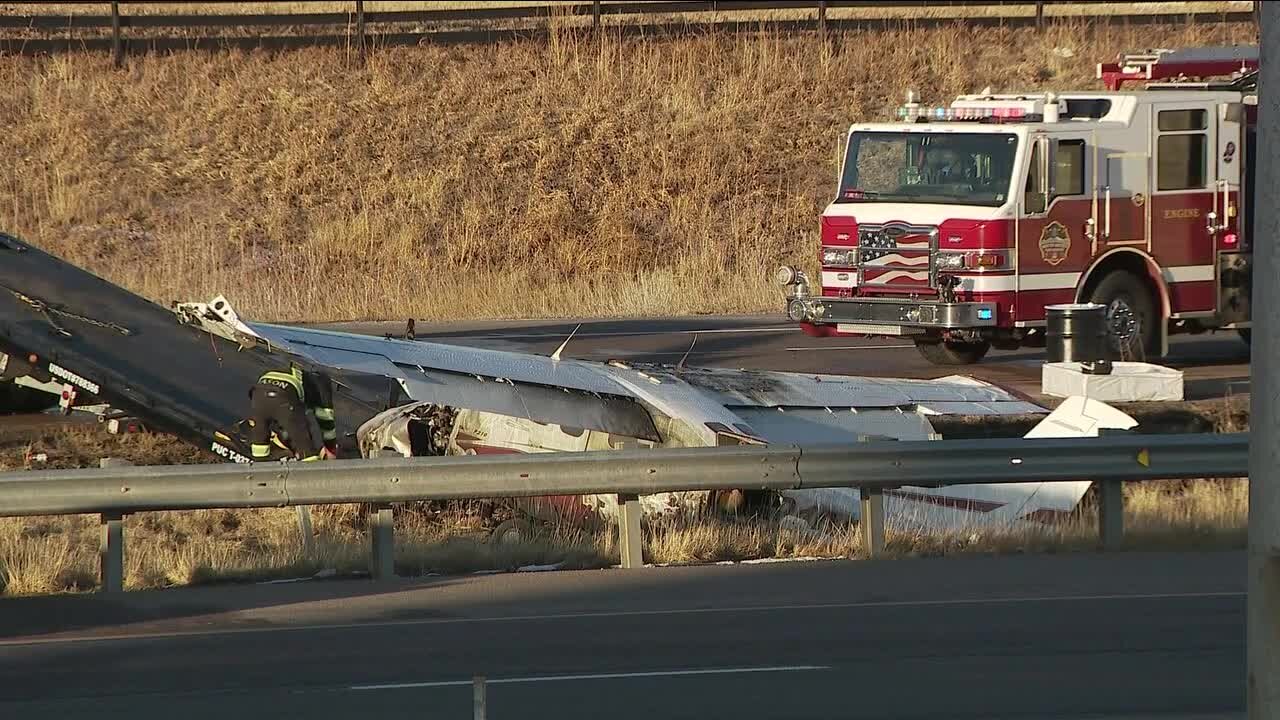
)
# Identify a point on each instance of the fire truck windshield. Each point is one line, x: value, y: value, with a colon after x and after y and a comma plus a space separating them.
x: 925, y: 167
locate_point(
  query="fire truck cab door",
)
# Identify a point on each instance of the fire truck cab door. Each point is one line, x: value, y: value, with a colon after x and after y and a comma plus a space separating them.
x: 1052, y: 235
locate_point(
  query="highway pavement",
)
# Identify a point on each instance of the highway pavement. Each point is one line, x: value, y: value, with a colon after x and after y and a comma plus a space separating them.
x: 1067, y: 637
x: 1213, y: 364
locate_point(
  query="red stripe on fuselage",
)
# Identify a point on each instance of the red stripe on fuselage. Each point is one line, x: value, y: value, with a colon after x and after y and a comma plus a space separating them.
x: 968, y: 504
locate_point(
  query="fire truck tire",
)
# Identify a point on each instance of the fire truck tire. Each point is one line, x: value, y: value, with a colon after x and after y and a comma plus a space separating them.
x: 947, y: 352
x: 1127, y: 299
x: 513, y: 531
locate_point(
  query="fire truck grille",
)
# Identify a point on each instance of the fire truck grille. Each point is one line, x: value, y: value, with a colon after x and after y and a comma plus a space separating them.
x: 897, y: 256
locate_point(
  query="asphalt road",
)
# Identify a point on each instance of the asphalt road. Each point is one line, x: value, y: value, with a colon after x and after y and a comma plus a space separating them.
x: 1126, y: 635
x: 1212, y: 364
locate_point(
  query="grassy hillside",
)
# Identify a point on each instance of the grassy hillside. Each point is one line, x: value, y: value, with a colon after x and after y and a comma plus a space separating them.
x: 526, y: 179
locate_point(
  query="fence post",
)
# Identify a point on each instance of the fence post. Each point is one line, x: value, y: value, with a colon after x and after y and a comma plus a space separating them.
x: 360, y: 45
x: 1040, y: 15
x: 1263, y: 625
x: 630, y: 538
x: 595, y: 15
x: 822, y: 19
x: 1111, y: 514
x: 382, y: 542
x: 872, y: 520
x: 111, y: 552
x: 117, y: 51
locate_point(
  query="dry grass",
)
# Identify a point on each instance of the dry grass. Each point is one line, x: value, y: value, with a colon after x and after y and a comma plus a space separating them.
x: 621, y: 177
x: 79, y: 446
x: 167, y: 549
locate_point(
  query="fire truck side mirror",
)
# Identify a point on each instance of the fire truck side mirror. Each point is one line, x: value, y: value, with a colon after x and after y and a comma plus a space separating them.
x: 1232, y: 112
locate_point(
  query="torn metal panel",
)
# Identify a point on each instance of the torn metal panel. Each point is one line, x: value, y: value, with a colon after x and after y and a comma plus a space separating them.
x: 413, y: 430
x: 696, y: 417
x: 540, y: 403
x: 472, y: 432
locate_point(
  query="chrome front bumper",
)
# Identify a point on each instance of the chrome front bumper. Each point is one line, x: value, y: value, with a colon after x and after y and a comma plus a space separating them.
x: 890, y: 316
x: 880, y: 316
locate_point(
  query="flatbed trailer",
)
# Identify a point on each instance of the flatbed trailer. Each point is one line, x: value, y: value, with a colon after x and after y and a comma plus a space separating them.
x: 108, y: 346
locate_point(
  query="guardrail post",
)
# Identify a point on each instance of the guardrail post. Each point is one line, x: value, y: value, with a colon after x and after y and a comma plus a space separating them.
x: 478, y: 697
x: 872, y: 520
x: 822, y: 19
x: 382, y: 543
x: 1040, y: 15
x: 111, y: 552
x: 595, y: 15
x: 117, y: 51
x: 630, y: 538
x: 304, y: 530
x: 360, y: 29
x: 1111, y: 514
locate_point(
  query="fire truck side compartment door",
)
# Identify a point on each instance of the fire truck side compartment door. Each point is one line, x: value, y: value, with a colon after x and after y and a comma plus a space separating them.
x: 1229, y: 159
x: 1235, y: 161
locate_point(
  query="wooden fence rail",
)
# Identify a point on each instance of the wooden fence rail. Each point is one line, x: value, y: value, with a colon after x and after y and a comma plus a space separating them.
x: 352, y: 28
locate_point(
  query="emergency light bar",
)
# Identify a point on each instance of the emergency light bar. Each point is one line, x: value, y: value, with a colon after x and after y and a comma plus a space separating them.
x: 985, y: 109
x: 919, y: 114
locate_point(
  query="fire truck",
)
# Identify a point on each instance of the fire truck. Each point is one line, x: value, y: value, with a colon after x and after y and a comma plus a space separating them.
x: 957, y: 225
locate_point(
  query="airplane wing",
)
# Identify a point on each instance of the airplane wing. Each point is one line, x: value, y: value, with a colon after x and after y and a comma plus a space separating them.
x: 625, y: 398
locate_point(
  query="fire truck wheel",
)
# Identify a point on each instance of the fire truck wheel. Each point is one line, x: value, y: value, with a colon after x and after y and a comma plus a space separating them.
x: 513, y: 531
x: 948, y: 352
x: 1131, y: 323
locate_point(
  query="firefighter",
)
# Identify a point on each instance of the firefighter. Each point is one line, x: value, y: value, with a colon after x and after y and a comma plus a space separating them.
x: 280, y: 401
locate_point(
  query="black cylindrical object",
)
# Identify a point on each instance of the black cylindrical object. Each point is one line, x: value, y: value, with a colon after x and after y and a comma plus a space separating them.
x: 1076, y: 332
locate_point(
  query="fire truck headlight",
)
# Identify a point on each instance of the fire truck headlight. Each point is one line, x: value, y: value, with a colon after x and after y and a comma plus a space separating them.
x: 841, y: 257
x: 950, y: 261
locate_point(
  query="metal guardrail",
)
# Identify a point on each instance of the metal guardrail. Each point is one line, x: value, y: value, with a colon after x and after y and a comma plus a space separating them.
x: 872, y: 466
x: 355, y: 23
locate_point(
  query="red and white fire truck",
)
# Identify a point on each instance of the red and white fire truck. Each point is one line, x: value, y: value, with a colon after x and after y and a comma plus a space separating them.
x: 956, y: 226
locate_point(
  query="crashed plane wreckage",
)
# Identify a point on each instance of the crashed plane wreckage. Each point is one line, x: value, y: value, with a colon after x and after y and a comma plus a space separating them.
x: 187, y: 369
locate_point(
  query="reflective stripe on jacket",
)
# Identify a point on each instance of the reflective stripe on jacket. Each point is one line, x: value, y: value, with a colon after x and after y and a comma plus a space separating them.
x: 285, y: 380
